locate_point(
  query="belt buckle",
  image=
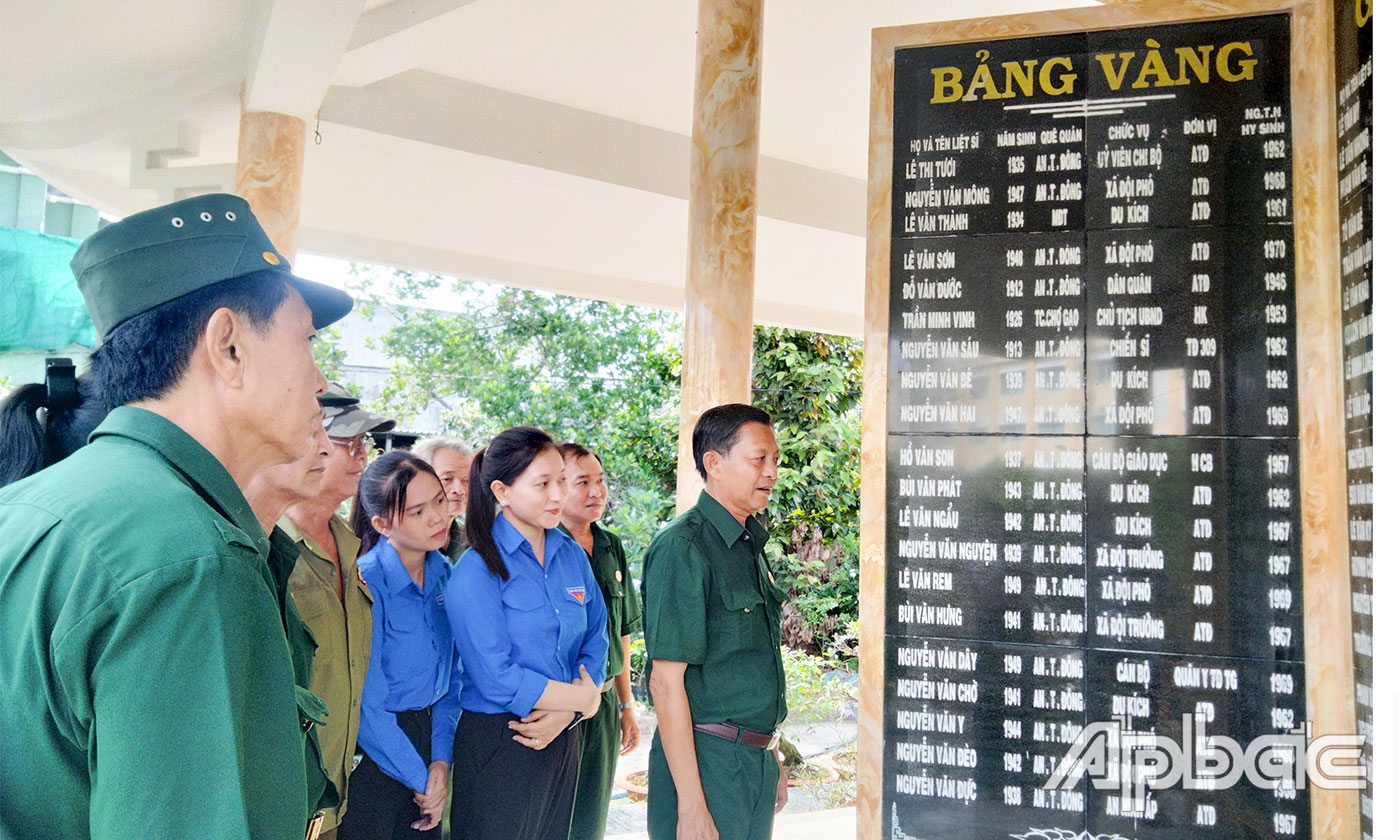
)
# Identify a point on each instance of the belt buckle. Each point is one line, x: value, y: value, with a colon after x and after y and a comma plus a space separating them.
x: 773, y: 742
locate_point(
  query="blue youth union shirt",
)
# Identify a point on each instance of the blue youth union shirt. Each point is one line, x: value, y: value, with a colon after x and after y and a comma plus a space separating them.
x: 515, y: 636
x: 411, y: 663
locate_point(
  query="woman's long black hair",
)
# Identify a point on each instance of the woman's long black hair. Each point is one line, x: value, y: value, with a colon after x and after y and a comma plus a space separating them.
x: 384, y: 492
x: 503, y: 459
x: 43, y: 423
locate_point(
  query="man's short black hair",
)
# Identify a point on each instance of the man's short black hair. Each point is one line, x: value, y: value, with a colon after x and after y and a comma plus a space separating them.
x: 145, y: 356
x: 719, y: 426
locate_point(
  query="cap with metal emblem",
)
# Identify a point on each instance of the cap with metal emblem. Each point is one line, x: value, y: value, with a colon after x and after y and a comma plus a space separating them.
x: 158, y: 255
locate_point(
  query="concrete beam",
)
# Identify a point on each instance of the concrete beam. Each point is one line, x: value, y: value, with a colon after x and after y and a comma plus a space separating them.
x: 460, y: 115
x: 291, y: 66
x: 389, y: 39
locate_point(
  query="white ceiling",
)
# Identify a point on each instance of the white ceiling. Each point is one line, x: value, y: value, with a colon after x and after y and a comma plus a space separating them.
x: 542, y: 143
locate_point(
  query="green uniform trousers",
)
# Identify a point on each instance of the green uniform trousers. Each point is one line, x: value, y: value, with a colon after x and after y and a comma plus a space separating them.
x: 599, y: 739
x: 741, y: 789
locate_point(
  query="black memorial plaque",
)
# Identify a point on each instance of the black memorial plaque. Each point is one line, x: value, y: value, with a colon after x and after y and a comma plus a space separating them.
x: 1360, y: 527
x: 988, y: 533
x: 1188, y: 131
x: 988, y: 335
x: 1193, y: 546
x: 1355, y: 88
x: 1092, y: 458
x: 1191, y: 332
x: 973, y: 731
x: 995, y: 163
x: 1354, y: 193
x: 1255, y: 702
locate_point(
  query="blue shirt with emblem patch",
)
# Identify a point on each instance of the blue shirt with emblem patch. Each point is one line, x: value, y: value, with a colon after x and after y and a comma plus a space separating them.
x: 411, y: 663
x: 514, y: 636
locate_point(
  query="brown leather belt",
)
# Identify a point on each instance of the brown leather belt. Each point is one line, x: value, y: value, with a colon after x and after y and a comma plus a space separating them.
x: 747, y: 737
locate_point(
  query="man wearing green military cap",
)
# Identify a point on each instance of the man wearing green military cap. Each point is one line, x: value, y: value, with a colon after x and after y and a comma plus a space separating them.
x: 714, y: 664
x: 144, y: 671
x: 327, y: 589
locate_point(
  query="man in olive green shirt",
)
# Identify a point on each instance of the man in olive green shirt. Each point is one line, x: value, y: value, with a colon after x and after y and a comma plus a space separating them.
x: 145, y: 676
x: 613, y: 731
x: 714, y: 667
x: 328, y: 591
x: 270, y: 493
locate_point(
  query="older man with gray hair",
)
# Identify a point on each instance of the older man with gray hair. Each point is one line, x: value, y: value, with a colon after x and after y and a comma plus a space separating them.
x: 451, y: 459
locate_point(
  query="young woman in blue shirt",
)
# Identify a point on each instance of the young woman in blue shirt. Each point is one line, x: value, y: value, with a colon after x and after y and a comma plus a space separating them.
x: 531, y: 631
x: 409, y: 710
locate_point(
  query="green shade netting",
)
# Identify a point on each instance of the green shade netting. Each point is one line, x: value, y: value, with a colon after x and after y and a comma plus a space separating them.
x: 40, y: 305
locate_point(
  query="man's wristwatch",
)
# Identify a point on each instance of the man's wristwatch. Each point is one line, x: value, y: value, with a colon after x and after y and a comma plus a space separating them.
x: 626, y: 705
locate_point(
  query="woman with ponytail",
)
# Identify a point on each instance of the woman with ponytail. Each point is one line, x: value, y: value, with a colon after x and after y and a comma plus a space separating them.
x: 531, y: 631
x: 408, y: 713
x: 41, y: 424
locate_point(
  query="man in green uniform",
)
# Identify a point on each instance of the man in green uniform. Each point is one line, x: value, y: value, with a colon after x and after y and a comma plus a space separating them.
x: 714, y: 667
x: 145, y: 676
x: 269, y: 493
x: 613, y: 731
x: 327, y: 589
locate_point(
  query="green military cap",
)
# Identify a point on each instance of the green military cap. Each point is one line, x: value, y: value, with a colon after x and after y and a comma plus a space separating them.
x: 158, y: 255
x: 346, y: 419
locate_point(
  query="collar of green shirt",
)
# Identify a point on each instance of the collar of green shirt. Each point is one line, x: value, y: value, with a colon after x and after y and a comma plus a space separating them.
x: 205, y: 473
x: 729, y: 528
x: 600, y: 536
x: 282, y: 557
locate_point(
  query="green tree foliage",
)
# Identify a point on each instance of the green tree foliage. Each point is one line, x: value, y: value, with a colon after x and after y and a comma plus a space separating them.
x: 329, y: 355
x: 600, y: 373
x: 811, y: 385
x: 609, y: 376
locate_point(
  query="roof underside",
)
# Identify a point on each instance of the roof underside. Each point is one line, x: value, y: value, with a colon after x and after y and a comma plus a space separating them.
x: 538, y: 143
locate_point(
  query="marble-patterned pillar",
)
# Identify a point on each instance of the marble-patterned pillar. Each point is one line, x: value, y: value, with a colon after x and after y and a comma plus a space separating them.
x: 718, y: 351
x: 1327, y: 638
x: 271, y: 150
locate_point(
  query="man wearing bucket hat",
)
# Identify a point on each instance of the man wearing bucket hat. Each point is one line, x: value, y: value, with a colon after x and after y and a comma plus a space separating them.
x: 144, y: 671
x: 327, y: 588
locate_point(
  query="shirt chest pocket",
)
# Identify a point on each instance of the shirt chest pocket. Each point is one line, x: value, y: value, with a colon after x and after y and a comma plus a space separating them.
x: 312, y: 603
x: 742, y: 624
x: 522, y: 597
x: 405, y: 615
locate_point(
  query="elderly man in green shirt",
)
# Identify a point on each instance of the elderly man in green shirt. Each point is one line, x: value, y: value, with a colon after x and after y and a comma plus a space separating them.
x: 711, y: 612
x: 145, y: 676
x: 326, y: 586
